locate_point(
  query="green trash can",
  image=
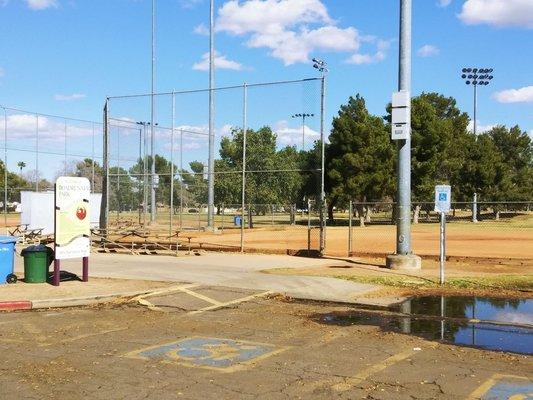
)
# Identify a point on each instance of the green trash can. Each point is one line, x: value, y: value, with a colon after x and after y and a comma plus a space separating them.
x: 37, y: 259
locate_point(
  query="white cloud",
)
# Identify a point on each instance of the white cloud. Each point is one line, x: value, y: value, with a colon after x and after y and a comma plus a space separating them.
x: 221, y: 62
x: 23, y: 126
x: 292, y: 136
x: 291, y: 29
x: 480, y: 128
x: 379, y: 55
x: 498, y: 13
x: 522, y: 95
x: 444, y: 3
x: 201, y: 29
x: 189, y: 3
x: 69, y: 97
x: 428, y: 50
x: 41, y: 4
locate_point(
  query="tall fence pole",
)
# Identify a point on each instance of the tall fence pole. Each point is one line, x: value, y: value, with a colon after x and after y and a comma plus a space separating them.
x: 244, y: 132
x: 92, y: 159
x: 104, y: 215
x: 5, y: 168
x: 322, y: 165
x: 172, y: 164
x: 211, y: 159
x: 474, y: 208
x: 65, y: 148
x: 36, y: 152
x: 350, y: 229
x: 152, y: 122
x: 119, y: 197
x: 181, y: 178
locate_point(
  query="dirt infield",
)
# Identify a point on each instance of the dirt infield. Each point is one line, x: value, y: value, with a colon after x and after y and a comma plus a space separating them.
x: 505, y: 239
x: 482, y: 240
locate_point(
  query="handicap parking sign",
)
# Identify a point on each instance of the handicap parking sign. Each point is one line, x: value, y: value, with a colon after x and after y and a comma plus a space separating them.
x: 443, y: 197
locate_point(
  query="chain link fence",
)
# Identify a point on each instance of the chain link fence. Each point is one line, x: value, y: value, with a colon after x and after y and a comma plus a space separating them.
x: 481, y: 229
x: 267, y: 164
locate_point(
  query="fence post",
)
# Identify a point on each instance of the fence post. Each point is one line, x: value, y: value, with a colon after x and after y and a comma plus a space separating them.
x: 181, y: 178
x: 350, y: 232
x: 5, y: 169
x: 222, y: 225
x: 272, y: 214
x: 244, y: 134
x: 37, y: 153
x: 308, y: 225
x: 104, y: 215
x: 172, y: 164
x: 474, y: 208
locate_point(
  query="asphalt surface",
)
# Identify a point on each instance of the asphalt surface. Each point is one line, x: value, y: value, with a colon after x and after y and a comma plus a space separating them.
x: 204, y: 342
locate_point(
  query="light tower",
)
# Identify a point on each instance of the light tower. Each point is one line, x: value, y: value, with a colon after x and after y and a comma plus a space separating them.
x: 477, y: 77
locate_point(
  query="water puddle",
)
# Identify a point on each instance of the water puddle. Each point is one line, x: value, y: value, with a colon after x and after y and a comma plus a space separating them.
x: 488, y: 323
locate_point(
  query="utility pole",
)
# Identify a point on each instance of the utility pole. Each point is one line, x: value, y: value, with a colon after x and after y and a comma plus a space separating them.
x: 211, y: 159
x: 404, y: 258
x: 153, y: 205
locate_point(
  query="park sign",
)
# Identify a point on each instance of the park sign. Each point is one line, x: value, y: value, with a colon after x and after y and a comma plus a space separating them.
x: 72, y: 219
x: 443, y: 198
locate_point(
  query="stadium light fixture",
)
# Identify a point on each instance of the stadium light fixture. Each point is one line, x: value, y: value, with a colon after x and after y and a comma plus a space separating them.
x: 303, y: 116
x: 476, y: 77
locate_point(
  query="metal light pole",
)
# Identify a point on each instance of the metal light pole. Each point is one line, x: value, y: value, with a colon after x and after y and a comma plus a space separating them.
x: 303, y: 116
x: 476, y: 77
x: 152, y: 116
x: 322, y: 66
x: 211, y: 159
x: 404, y: 259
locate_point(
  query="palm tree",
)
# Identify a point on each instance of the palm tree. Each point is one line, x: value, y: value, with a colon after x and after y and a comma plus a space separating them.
x: 21, y: 164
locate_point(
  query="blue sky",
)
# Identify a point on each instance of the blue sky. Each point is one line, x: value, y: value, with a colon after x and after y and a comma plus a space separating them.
x: 65, y: 56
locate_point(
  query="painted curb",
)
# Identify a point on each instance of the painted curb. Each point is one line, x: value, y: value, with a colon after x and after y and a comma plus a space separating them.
x: 66, y: 302
x: 15, y: 305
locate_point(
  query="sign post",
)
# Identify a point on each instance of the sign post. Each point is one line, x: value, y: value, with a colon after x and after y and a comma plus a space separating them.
x: 443, y: 195
x: 72, y: 223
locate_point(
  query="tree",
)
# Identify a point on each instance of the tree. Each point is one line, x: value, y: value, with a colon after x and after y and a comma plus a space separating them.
x: 88, y: 168
x: 21, y: 165
x: 360, y: 157
x: 516, y: 150
x: 15, y: 183
x: 439, y: 147
x: 272, y: 175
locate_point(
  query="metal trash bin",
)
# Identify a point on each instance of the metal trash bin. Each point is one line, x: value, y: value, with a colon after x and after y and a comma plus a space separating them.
x: 37, y: 259
x: 7, y: 259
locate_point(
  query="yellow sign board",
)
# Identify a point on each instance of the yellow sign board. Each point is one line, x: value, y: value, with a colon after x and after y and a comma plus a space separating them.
x: 72, y: 219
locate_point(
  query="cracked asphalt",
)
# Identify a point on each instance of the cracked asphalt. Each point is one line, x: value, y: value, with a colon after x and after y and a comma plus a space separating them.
x: 85, y: 353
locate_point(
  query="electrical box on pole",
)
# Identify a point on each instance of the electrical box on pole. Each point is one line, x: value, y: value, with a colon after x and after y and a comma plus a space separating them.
x: 401, y: 115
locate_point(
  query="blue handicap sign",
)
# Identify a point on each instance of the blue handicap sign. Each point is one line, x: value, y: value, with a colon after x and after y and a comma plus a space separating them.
x: 510, y: 389
x: 442, y: 196
x: 213, y: 353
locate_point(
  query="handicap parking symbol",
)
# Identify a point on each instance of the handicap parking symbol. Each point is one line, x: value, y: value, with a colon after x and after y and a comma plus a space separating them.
x: 508, y: 388
x: 212, y: 353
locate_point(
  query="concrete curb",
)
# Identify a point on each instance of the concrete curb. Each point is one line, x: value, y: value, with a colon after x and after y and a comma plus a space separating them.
x: 66, y: 302
x: 15, y: 305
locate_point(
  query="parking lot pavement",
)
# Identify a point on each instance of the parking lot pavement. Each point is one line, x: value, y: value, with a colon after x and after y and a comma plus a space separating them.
x: 200, y: 342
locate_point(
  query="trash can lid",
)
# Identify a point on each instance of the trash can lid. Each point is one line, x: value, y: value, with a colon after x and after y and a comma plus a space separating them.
x: 8, y: 239
x: 36, y: 248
